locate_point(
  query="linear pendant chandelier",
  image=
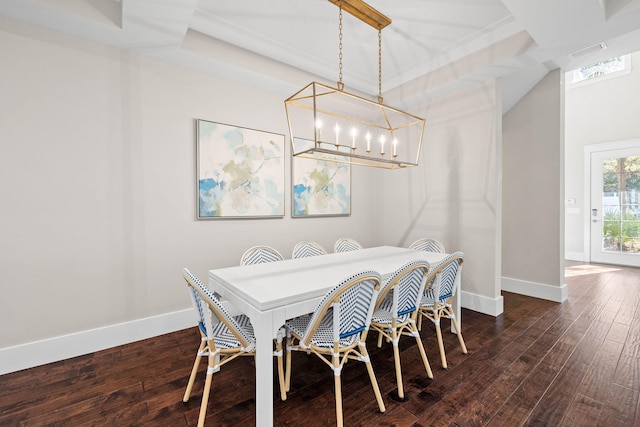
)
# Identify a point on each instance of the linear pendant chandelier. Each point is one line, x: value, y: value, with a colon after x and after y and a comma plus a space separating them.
x: 328, y: 123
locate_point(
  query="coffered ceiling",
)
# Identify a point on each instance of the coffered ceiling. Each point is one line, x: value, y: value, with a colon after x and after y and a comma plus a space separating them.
x: 431, y: 47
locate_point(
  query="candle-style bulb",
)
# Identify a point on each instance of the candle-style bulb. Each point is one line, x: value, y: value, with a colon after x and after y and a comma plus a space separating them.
x: 395, y: 147
x: 337, y: 133
x: 354, y: 132
x: 318, y: 126
x: 368, y: 142
x: 382, y: 144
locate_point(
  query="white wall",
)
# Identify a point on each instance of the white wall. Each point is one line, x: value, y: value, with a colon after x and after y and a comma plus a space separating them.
x: 604, y: 111
x: 97, y: 177
x: 532, y: 231
x: 454, y: 195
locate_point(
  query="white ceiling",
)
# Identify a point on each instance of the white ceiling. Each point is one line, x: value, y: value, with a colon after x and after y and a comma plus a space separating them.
x: 432, y: 46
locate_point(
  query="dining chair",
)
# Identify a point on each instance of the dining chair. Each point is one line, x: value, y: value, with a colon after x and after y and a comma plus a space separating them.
x: 223, y: 338
x: 346, y: 244
x: 260, y: 254
x: 396, y: 312
x: 437, y: 300
x: 306, y: 249
x: 429, y: 245
x: 337, y: 330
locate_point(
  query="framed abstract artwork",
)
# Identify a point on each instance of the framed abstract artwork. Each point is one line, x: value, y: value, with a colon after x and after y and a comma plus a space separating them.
x: 240, y: 172
x: 320, y: 188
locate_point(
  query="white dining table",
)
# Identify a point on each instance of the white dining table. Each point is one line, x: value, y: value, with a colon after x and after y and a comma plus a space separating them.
x: 271, y: 293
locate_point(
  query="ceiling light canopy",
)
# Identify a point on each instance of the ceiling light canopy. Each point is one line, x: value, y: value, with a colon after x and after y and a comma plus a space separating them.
x: 331, y: 124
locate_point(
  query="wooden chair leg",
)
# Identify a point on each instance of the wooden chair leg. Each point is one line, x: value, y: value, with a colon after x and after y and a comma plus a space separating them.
x: 205, y: 399
x: 436, y: 321
x: 379, y: 339
x: 338, y: 389
x: 459, y: 333
x: 372, y: 377
x: 425, y: 360
x: 281, y: 381
x: 287, y: 379
x: 396, y: 358
x: 194, y: 371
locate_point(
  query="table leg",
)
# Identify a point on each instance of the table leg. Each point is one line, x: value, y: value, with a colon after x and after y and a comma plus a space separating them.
x: 264, y: 369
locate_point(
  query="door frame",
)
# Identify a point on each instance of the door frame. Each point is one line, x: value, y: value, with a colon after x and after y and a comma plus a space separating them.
x: 588, y: 151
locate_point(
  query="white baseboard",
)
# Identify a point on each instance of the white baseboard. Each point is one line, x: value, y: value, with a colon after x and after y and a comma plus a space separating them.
x: 491, y: 306
x: 50, y: 350
x: 575, y: 256
x: 63, y: 347
x: 537, y: 290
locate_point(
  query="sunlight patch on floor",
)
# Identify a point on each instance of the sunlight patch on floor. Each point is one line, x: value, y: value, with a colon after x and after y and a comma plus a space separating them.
x: 581, y: 270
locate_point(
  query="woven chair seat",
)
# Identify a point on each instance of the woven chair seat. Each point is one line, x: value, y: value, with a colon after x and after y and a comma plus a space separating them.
x: 324, y: 334
x: 224, y: 338
x: 429, y: 299
x: 385, y: 316
x: 384, y: 313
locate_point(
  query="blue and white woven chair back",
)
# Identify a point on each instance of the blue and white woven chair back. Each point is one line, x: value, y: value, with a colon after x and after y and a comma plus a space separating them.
x: 307, y: 249
x: 259, y: 255
x: 429, y: 245
x: 196, y: 301
x: 448, y: 269
x: 410, y: 286
x: 352, y: 301
x: 449, y: 273
x: 236, y: 334
x: 346, y: 244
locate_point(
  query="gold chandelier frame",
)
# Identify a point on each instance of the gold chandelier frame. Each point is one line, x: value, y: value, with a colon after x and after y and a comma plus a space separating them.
x: 393, y: 138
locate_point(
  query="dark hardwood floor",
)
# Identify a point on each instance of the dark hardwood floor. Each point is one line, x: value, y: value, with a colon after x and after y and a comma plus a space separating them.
x: 538, y: 364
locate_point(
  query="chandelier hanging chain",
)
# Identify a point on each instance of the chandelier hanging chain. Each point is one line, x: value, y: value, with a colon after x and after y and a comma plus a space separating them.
x: 340, y: 84
x: 380, y: 66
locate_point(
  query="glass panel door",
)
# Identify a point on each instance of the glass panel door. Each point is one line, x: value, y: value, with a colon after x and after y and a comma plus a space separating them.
x: 615, y: 207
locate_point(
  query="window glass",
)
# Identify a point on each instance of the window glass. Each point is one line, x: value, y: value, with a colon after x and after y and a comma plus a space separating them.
x: 612, y: 67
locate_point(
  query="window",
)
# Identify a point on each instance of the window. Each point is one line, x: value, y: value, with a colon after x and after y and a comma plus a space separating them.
x: 613, y: 67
